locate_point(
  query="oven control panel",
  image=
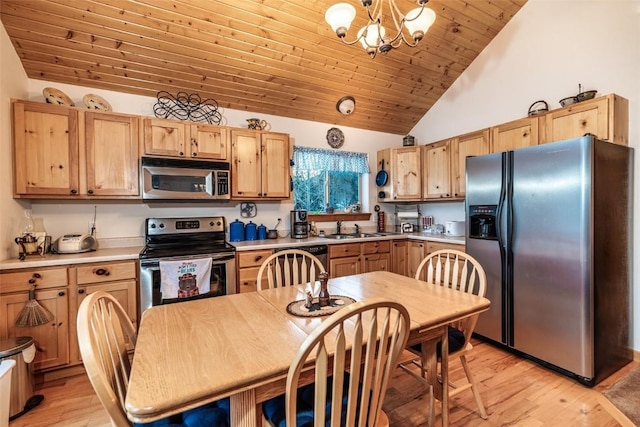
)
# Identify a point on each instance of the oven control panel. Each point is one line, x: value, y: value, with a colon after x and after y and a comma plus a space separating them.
x: 157, y: 226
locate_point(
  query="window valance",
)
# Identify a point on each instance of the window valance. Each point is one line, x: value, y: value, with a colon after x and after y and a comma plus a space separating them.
x: 311, y: 159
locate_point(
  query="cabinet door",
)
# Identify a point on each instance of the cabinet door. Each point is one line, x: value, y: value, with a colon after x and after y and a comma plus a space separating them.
x: 111, y: 144
x: 469, y: 145
x: 209, y: 142
x: 406, y: 173
x: 245, y: 171
x: 513, y: 135
x: 416, y: 252
x: 45, y: 149
x: 399, y: 257
x: 275, y: 166
x: 51, y: 339
x: 165, y: 138
x: 339, y: 267
x: 376, y: 262
x: 595, y: 116
x: 437, y: 170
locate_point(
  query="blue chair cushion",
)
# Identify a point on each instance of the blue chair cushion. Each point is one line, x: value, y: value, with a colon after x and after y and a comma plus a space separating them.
x: 456, y: 341
x: 214, y: 414
x: 274, y: 409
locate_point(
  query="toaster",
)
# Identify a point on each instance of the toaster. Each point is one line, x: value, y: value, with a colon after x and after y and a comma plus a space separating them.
x: 454, y: 228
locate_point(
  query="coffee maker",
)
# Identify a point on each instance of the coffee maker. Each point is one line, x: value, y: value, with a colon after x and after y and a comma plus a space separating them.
x: 299, y: 224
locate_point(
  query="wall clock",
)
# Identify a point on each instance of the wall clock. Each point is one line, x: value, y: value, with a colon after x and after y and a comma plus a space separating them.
x: 335, y: 137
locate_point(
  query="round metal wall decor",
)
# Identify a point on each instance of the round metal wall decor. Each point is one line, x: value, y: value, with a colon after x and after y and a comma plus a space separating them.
x: 335, y: 138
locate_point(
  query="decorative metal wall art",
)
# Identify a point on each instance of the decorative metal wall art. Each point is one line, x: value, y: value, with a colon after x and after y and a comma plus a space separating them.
x: 184, y: 106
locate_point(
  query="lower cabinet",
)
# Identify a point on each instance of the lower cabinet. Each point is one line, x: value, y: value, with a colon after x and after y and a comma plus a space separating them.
x: 248, y: 263
x: 354, y: 258
x: 399, y: 257
x: 417, y: 250
x: 117, y: 278
x: 61, y: 290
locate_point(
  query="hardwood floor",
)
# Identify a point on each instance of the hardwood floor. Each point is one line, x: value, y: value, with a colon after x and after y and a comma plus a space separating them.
x: 516, y: 392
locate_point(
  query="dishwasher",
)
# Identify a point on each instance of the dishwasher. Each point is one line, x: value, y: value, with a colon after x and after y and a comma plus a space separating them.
x: 319, y: 251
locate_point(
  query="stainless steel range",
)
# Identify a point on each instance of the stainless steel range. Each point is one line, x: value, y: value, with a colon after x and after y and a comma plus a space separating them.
x: 176, y: 239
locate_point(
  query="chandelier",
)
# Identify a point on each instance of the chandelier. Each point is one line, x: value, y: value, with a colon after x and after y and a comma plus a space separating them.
x: 373, y: 35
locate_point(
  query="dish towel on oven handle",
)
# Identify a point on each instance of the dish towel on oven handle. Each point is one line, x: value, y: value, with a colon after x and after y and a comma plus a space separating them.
x: 185, y: 278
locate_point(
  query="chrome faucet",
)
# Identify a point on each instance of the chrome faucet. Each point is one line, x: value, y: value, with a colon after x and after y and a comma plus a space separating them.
x: 357, y: 228
x: 339, y: 223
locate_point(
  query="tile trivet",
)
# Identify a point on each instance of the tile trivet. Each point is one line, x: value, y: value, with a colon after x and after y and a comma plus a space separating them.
x: 336, y: 302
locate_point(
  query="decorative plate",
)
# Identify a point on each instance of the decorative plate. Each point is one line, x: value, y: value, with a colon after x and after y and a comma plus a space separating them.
x: 56, y: 96
x: 95, y: 102
x: 335, y: 137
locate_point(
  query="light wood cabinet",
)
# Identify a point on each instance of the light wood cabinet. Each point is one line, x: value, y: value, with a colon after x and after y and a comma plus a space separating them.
x: 260, y: 165
x: 606, y: 117
x: 403, y: 166
x: 247, y: 265
x: 513, y: 135
x: 111, y: 151
x: 399, y: 257
x: 437, y: 170
x: 52, y: 293
x: 46, y: 150
x: 68, y: 153
x: 172, y: 138
x: 469, y: 145
x: 61, y: 290
x: 355, y: 258
x: 119, y: 278
x: 418, y: 250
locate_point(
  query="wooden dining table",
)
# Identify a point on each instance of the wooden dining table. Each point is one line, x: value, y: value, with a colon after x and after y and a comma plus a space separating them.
x: 240, y: 346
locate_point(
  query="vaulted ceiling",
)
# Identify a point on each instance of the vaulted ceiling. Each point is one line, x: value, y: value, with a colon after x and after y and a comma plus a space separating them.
x: 266, y: 56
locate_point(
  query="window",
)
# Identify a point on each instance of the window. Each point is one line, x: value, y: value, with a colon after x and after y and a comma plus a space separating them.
x: 324, y: 176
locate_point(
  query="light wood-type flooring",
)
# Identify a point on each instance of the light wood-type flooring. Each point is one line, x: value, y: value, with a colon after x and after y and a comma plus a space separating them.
x: 516, y: 392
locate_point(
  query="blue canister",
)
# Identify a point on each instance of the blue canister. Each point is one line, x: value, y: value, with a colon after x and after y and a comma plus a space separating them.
x: 250, y: 231
x: 262, y: 232
x: 236, y: 231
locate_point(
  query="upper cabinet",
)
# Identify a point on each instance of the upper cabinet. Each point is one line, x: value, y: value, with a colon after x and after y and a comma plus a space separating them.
x: 402, y: 167
x: 513, y: 135
x: 469, y: 145
x: 260, y: 165
x: 62, y: 152
x: 606, y: 117
x: 437, y: 170
x: 163, y: 137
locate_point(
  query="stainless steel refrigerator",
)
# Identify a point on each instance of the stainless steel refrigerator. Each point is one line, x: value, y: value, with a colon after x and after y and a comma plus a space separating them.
x: 551, y: 225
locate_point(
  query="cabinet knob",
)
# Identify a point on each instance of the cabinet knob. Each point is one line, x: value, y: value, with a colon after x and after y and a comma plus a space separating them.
x: 89, y: 191
x: 258, y: 258
x: 194, y: 154
x: 32, y: 281
x: 181, y: 153
x: 61, y: 293
x: 74, y: 191
x: 81, y: 291
x: 37, y: 276
x: 102, y: 272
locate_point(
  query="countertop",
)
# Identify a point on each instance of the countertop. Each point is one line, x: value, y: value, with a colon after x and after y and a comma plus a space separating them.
x: 132, y: 252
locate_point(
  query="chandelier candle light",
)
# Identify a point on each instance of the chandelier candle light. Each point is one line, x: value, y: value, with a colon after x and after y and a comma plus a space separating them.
x: 372, y: 36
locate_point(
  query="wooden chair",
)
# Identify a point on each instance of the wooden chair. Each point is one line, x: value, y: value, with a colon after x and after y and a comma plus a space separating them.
x: 460, y: 271
x: 354, y: 382
x: 290, y: 267
x: 105, y: 334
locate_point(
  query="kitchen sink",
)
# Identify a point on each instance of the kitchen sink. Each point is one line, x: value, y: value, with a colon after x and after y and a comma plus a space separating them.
x: 352, y: 235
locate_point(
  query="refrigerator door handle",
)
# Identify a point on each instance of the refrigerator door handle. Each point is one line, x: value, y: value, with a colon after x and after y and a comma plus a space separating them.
x: 500, y: 209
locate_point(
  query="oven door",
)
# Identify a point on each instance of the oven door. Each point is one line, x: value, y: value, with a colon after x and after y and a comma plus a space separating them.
x: 222, y: 279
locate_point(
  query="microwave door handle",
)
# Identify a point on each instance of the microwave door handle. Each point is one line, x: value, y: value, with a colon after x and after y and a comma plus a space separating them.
x: 210, y: 183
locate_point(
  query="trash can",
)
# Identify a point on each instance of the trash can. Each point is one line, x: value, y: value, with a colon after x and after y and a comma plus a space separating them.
x: 6, y: 366
x: 22, y: 350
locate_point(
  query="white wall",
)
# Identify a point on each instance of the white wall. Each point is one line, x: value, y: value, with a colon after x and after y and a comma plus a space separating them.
x: 544, y: 52
x: 13, y: 84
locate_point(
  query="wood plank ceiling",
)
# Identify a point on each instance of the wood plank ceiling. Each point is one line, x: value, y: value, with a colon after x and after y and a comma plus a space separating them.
x: 266, y: 56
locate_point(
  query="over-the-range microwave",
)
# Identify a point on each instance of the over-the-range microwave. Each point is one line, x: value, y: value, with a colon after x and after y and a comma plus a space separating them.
x: 166, y: 179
